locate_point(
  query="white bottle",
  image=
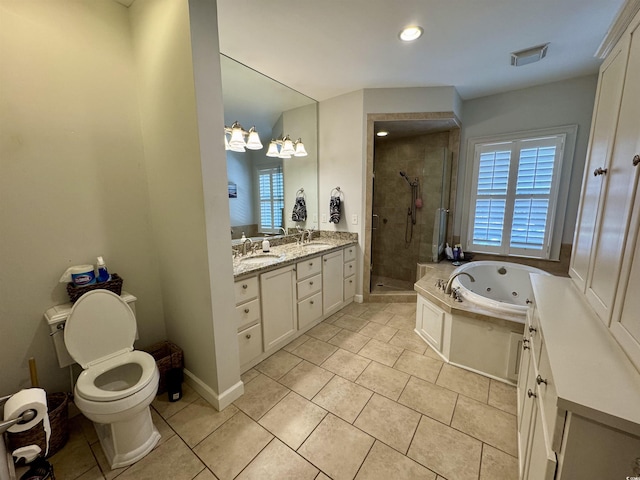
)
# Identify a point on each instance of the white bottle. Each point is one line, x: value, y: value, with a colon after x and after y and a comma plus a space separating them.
x: 448, y: 252
x: 243, y: 238
x: 265, y: 245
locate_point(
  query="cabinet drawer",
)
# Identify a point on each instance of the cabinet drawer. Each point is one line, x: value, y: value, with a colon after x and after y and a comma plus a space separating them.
x: 250, y: 343
x: 553, y: 417
x: 309, y: 310
x: 349, y: 268
x: 349, y: 287
x: 350, y: 253
x: 246, y: 290
x: 248, y: 313
x: 309, y: 286
x: 308, y: 268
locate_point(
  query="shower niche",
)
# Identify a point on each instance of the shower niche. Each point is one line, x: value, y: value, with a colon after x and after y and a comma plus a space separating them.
x: 411, y: 198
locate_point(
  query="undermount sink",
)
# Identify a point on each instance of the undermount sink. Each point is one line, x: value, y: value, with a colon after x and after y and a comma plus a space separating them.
x: 317, y: 245
x: 262, y: 258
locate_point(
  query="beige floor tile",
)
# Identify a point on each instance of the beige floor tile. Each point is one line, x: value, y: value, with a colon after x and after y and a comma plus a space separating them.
x: 165, y: 431
x: 430, y: 352
x: 166, y: 408
x: 429, y: 399
x: 377, y: 316
x: 102, y: 462
x: 249, y: 375
x: 383, y: 380
x: 406, y: 309
x: 314, y: 351
x: 343, y: 398
x: 293, y: 344
x: 355, y: 324
x: 173, y: 459
x: 402, y: 323
x: 306, y: 379
x: 384, y: 463
x: 465, y: 382
x: 278, y: 461
x: 497, y: 465
x: 205, y: 475
x: 293, y: 419
x: 503, y: 396
x: 375, y: 306
x: 278, y: 364
x: 381, y: 352
x: 322, y: 476
x: 93, y: 474
x: 323, y: 331
x: 76, y: 458
x: 195, y: 422
x: 419, y: 366
x: 333, y: 318
x: 260, y: 395
x: 349, y: 340
x: 346, y: 364
x: 355, y: 309
x: 337, y: 448
x: 378, y: 331
x: 232, y: 446
x: 389, y: 422
x: 486, y: 423
x: 409, y: 341
x: 446, y: 451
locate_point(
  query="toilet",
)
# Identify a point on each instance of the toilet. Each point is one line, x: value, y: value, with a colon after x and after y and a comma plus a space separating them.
x: 118, y: 383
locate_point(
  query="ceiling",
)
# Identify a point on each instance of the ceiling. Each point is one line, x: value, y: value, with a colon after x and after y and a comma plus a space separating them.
x: 331, y: 47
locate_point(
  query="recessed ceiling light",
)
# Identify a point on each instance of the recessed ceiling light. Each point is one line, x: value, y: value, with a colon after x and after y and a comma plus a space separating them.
x: 382, y: 133
x: 411, y: 33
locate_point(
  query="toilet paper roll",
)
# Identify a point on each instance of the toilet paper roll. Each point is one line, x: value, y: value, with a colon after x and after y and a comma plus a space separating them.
x: 29, y: 399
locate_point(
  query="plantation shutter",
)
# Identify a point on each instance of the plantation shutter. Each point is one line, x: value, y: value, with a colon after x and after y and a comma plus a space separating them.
x: 271, y: 192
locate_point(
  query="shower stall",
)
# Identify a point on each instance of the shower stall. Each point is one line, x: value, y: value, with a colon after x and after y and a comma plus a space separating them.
x: 410, y: 206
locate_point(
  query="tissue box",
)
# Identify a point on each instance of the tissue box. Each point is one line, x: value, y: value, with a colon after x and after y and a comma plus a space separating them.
x: 114, y: 285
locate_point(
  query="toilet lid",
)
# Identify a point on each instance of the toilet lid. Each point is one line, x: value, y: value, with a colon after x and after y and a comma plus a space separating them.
x: 100, y: 326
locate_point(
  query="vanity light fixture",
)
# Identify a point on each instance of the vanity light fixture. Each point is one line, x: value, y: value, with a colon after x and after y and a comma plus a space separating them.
x: 382, y: 133
x: 529, y: 55
x: 237, y: 143
x: 411, y: 33
x: 288, y: 148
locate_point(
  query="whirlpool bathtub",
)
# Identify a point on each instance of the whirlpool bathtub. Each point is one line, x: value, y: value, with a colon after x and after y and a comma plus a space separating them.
x: 501, y: 287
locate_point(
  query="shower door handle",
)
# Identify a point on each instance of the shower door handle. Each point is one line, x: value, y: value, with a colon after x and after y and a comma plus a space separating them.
x: 374, y: 221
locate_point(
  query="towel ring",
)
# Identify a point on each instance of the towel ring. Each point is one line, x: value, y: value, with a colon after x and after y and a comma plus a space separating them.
x: 338, y: 192
x: 300, y: 193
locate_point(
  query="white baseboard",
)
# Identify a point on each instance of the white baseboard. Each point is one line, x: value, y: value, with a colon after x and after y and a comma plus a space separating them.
x: 219, y: 401
x: 358, y: 298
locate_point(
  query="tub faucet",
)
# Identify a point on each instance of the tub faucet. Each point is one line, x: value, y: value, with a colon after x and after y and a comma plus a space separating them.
x: 244, y: 245
x: 447, y: 289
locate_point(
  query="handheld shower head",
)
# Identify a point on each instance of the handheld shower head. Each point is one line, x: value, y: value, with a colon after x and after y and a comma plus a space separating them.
x: 404, y: 175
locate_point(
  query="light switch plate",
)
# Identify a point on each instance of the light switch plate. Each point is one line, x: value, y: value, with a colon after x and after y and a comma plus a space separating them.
x: 324, y: 218
x: 354, y: 219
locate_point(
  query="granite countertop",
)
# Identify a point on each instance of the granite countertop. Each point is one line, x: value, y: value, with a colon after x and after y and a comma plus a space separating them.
x: 288, y: 253
x: 426, y: 287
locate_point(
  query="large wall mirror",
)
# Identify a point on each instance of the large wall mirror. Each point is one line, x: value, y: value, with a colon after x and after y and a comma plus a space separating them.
x: 264, y: 190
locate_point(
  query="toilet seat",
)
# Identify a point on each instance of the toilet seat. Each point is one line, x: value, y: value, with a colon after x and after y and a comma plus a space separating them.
x: 86, y: 384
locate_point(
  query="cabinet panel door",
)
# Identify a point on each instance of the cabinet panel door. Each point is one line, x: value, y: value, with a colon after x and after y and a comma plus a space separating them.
x: 278, y: 300
x: 602, y: 132
x: 349, y: 287
x: 541, y: 460
x: 610, y: 241
x: 332, y: 281
x: 249, y: 344
x: 430, y: 322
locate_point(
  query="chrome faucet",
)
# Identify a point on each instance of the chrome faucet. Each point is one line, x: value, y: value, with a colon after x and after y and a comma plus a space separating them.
x: 284, y: 232
x: 244, y: 245
x: 447, y: 288
x: 309, y: 232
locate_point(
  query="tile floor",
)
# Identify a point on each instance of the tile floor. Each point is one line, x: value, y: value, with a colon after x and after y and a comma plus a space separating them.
x: 359, y: 396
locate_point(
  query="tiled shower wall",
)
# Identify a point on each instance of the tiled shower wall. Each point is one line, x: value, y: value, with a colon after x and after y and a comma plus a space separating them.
x: 422, y: 157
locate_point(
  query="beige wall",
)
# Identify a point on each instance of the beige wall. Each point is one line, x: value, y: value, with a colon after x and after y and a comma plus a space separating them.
x: 72, y: 176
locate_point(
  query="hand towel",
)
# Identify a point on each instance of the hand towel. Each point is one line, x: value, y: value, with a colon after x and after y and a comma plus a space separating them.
x: 299, y: 210
x: 334, y: 210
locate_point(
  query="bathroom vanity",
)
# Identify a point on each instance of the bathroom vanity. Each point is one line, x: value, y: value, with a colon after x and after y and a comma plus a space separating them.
x: 294, y: 290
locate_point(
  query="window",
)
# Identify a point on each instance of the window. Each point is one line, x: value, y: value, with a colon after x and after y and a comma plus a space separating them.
x: 271, y: 194
x: 514, y: 195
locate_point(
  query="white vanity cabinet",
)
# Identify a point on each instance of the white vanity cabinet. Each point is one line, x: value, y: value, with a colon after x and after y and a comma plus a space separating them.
x: 578, y: 394
x: 248, y: 319
x: 349, y: 288
x: 309, y: 291
x: 278, y: 299
x: 332, y: 281
x: 611, y: 177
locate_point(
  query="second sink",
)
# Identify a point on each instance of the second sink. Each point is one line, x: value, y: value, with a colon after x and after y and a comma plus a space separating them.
x: 261, y: 258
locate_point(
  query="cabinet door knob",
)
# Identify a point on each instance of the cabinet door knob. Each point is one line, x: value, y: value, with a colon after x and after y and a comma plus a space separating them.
x: 540, y: 380
x: 636, y: 160
x: 525, y: 346
x: 532, y: 330
x: 325, y: 259
x: 246, y: 310
x: 531, y: 394
x: 600, y: 171
x: 311, y: 264
x: 350, y: 281
x: 310, y: 283
x: 311, y: 302
x: 248, y: 335
x: 245, y: 286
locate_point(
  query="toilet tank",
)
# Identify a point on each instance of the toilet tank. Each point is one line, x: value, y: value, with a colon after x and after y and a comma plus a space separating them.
x: 56, y: 318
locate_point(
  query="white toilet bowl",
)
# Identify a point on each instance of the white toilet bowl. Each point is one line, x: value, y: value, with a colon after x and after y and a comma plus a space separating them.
x: 118, y: 383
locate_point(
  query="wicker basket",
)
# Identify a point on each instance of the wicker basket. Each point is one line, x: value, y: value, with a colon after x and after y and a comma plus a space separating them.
x: 114, y: 285
x: 167, y: 356
x: 57, y: 404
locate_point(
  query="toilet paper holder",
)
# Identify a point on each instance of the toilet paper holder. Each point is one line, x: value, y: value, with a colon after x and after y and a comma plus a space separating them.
x: 25, y: 417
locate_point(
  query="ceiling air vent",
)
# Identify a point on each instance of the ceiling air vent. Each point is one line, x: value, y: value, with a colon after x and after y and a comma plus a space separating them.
x: 530, y: 55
